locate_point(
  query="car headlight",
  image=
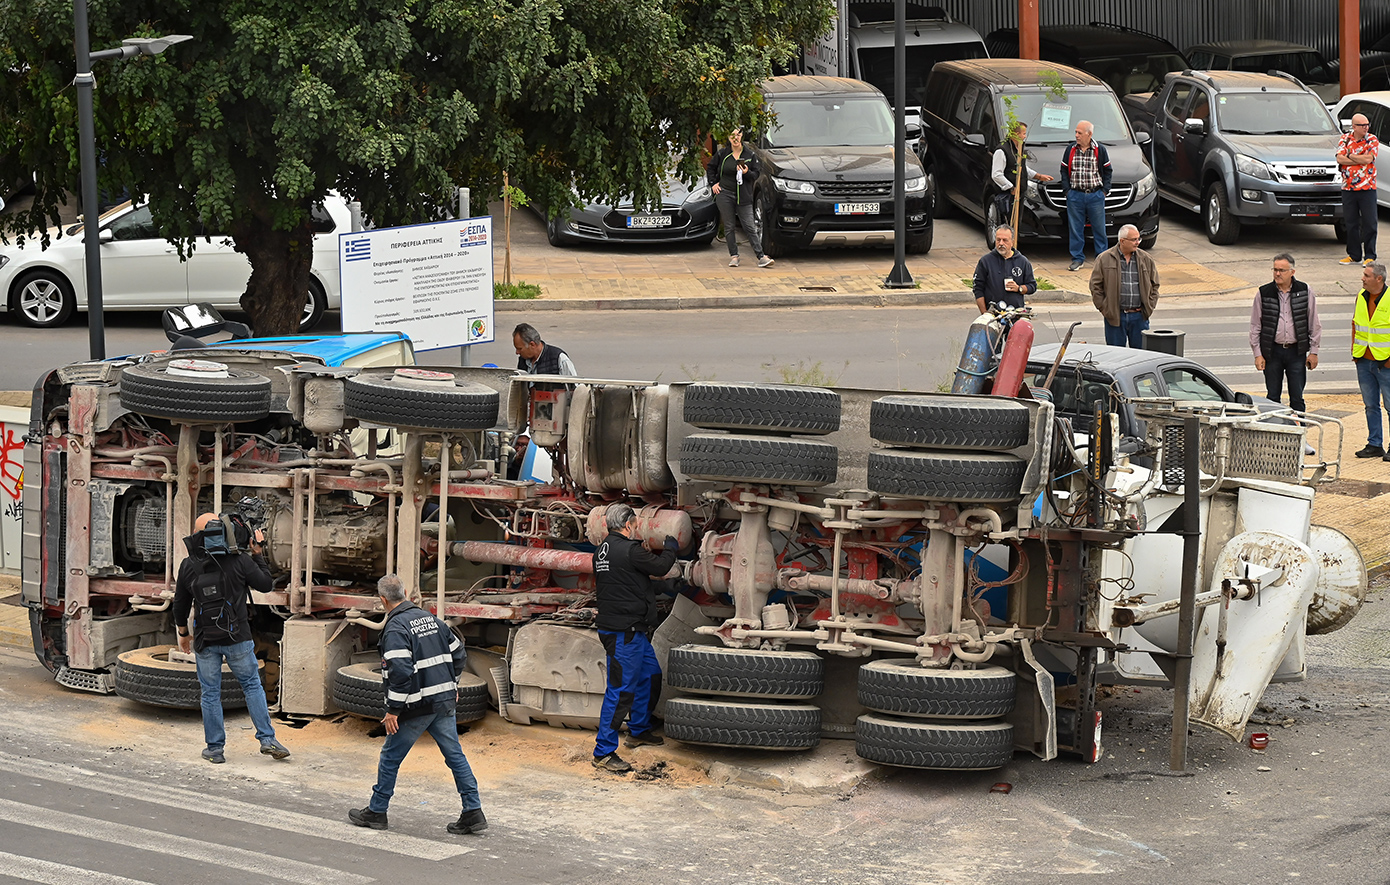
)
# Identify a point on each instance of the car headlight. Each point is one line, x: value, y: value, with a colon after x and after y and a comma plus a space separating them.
x: 915, y: 185
x: 793, y: 187
x: 1252, y: 167
x: 701, y: 194
x: 1146, y: 186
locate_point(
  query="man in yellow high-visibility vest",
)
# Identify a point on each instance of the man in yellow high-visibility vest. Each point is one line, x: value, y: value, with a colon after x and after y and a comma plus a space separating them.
x: 1370, y: 347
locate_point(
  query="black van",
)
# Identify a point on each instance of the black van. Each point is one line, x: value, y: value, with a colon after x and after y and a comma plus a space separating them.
x: 1128, y: 60
x: 963, y: 122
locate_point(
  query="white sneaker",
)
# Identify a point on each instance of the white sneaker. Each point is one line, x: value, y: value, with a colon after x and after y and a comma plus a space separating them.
x: 764, y: 262
x: 733, y: 262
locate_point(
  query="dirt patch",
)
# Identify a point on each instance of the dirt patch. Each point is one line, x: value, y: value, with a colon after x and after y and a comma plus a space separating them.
x: 1355, y: 488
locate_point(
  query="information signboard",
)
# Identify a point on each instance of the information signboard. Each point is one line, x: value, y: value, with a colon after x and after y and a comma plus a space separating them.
x: 431, y: 281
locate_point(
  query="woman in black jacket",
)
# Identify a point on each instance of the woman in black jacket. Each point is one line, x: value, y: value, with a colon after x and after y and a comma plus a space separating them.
x: 731, y: 173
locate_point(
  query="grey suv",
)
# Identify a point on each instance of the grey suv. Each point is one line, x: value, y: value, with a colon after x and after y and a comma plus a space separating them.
x: 1242, y: 148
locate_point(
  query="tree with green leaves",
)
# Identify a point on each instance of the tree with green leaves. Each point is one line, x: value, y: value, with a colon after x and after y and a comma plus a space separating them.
x: 392, y: 103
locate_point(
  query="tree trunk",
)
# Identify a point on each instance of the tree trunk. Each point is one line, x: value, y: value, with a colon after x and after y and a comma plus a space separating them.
x: 279, y: 285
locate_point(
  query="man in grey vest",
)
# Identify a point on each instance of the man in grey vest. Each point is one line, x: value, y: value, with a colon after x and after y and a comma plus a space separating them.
x: 1285, y: 332
x: 538, y: 358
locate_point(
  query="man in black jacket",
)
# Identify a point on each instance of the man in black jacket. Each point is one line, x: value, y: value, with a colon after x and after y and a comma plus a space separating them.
x: 214, y: 583
x: 623, y: 570
x: 421, y: 660
x: 1003, y: 275
x: 1285, y: 332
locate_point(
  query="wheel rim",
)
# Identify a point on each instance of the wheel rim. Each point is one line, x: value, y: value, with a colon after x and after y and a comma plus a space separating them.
x: 41, y: 301
x: 931, y: 190
x: 309, y: 304
x: 991, y: 223
x: 1213, y: 213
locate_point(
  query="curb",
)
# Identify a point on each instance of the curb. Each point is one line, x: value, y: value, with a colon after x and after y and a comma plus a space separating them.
x: 902, y: 298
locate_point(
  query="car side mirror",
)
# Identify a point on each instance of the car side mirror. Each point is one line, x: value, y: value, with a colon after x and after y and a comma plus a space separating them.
x: 1142, y: 137
x: 975, y: 138
x: 1244, y: 399
x: 1346, y: 125
x: 195, y: 321
x: 1195, y: 125
x: 105, y: 235
x: 913, y: 131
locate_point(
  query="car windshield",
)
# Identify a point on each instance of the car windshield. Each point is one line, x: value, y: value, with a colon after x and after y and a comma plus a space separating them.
x: 1052, y: 121
x: 1307, y: 66
x: 1075, y: 393
x: 1273, y: 113
x: 1134, y: 73
x: 876, y: 65
x: 835, y: 120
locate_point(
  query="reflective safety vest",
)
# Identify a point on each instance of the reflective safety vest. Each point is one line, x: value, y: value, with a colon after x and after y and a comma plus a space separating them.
x: 1371, y: 332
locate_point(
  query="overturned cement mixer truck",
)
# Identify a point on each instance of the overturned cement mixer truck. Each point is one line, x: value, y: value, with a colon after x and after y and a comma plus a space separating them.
x: 943, y: 578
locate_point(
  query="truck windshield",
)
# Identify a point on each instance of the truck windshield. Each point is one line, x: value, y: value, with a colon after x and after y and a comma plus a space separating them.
x: 1273, y: 113
x: 876, y: 65
x: 835, y: 120
x: 1053, y: 122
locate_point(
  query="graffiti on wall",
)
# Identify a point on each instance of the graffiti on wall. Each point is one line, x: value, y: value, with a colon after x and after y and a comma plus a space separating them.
x: 11, y: 470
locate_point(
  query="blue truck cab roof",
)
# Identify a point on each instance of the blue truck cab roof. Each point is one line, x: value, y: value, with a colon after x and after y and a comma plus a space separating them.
x: 350, y: 348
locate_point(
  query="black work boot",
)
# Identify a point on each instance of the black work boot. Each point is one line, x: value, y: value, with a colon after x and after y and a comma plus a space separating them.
x: 612, y: 763
x: 365, y: 817
x: 644, y: 739
x: 469, y: 822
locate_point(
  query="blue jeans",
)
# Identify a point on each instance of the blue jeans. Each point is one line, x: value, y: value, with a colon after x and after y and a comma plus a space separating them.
x: 1374, y: 380
x: 634, y: 684
x: 241, y: 660
x: 443, y: 727
x: 1129, y: 332
x: 1360, y: 213
x: 1083, y: 208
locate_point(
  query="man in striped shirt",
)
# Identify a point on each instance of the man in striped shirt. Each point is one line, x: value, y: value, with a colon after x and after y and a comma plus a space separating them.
x: 421, y: 660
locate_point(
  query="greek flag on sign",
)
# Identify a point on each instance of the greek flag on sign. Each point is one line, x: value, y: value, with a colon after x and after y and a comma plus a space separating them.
x: 357, y: 250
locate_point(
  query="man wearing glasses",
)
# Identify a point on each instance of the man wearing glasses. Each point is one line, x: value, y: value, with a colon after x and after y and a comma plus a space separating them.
x: 1124, y: 288
x: 1285, y: 332
x: 1356, y: 154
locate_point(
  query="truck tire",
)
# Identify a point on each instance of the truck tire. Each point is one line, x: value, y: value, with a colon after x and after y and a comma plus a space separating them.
x: 1223, y: 228
x: 905, y: 743
x: 753, y: 726
x: 358, y: 689
x: 736, y: 672
x: 791, y: 462
x: 902, y: 687
x: 947, y: 476
x: 420, y: 399
x: 148, y: 676
x: 949, y: 422
x: 812, y: 410
x: 227, y: 395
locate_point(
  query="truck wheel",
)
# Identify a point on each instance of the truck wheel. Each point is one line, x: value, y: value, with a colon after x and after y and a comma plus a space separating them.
x: 947, y: 476
x: 791, y: 462
x: 954, y: 747
x: 762, y: 213
x: 1223, y: 228
x: 189, y: 391
x: 903, y: 687
x: 949, y: 422
x: 420, y: 399
x: 940, y: 206
x: 709, y: 669
x: 754, y: 726
x: 148, y: 676
x: 758, y: 407
x: 358, y: 689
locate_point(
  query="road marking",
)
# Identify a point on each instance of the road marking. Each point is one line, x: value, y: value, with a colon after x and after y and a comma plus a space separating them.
x: 31, y: 869
x: 210, y: 854
x: 234, y: 809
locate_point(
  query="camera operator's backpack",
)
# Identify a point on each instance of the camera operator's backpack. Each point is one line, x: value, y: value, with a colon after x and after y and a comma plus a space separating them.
x: 212, y: 593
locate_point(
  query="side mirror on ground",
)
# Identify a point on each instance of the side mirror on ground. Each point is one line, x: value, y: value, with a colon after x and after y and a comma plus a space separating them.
x: 1195, y: 126
x: 198, y: 321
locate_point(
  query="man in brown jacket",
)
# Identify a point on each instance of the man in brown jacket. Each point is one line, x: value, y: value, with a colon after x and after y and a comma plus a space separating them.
x: 1124, y: 288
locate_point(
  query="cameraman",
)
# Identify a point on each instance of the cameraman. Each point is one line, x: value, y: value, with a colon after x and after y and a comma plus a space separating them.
x: 215, y: 581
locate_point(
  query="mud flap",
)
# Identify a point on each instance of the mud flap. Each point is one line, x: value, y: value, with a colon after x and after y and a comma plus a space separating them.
x: 1042, y: 724
x: 1229, y: 679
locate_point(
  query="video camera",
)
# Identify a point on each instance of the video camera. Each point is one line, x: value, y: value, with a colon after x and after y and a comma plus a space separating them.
x: 241, y: 524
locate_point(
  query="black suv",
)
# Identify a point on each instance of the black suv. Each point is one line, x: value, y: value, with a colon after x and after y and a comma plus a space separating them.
x: 827, y: 176
x: 1127, y: 59
x: 963, y: 123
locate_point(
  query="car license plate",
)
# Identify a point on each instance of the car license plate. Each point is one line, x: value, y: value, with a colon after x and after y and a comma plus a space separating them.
x: 1310, y: 211
x: 856, y: 208
x: 649, y: 221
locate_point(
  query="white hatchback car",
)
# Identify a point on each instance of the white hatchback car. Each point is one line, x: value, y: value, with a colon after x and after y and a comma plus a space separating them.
x: 1376, y: 107
x: 140, y: 270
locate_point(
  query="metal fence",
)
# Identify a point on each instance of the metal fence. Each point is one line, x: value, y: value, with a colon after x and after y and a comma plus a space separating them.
x: 1188, y: 22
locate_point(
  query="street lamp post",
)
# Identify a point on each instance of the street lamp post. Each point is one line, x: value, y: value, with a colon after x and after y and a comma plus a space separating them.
x: 87, y: 151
